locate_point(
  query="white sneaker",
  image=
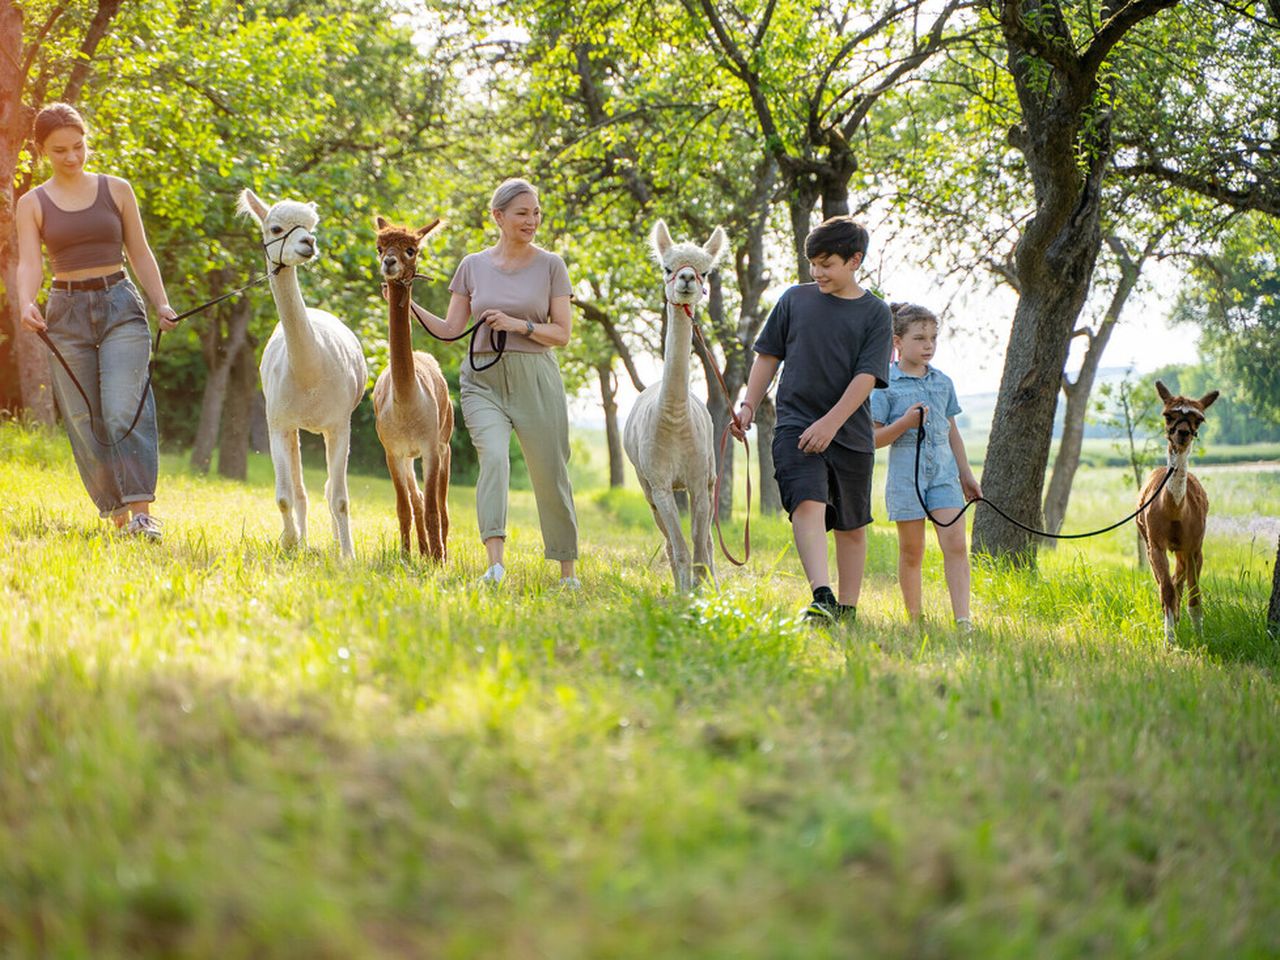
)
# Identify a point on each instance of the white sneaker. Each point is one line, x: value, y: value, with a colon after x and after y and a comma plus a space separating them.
x: 146, y: 526
x: 570, y: 583
x: 494, y: 574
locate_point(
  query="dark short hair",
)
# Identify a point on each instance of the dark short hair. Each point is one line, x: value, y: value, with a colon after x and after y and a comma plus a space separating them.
x: 840, y: 236
x: 54, y: 117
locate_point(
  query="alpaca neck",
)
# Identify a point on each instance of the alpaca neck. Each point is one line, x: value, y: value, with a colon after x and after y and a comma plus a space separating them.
x: 304, y: 353
x: 404, y: 382
x: 674, y: 394
x: 1177, y: 488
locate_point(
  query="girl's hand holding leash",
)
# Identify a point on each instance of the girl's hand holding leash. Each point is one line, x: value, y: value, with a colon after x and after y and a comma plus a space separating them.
x: 741, y: 423
x: 32, y: 320
x: 167, y: 317
x: 915, y: 416
x: 969, y: 484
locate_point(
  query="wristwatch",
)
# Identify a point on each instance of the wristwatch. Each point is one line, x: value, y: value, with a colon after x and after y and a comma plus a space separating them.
x: 528, y: 327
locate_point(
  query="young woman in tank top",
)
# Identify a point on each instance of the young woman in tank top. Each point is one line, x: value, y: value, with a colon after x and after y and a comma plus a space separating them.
x: 95, y: 317
x: 521, y: 290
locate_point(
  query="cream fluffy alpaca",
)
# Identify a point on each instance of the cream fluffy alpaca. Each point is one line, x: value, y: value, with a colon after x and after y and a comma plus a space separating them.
x: 668, y: 435
x: 313, y: 373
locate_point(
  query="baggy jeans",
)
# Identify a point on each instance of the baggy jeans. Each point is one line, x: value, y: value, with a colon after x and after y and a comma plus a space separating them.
x: 523, y: 392
x: 103, y: 336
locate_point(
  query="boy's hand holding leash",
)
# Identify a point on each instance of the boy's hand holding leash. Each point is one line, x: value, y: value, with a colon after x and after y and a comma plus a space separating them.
x: 741, y: 422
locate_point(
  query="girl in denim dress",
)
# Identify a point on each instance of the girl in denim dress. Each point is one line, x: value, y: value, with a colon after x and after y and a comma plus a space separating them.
x: 946, y: 480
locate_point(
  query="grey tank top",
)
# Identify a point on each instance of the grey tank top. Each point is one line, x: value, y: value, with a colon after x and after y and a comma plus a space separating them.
x: 79, y: 239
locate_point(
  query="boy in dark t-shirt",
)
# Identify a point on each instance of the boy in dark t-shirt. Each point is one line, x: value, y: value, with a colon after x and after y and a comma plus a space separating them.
x: 835, y: 338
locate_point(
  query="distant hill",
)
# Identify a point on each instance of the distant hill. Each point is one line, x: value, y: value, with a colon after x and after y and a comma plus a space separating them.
x: 979, y: 408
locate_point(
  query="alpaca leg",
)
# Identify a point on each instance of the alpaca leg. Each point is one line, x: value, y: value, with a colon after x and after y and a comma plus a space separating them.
x: 421, y: 517
x: 1168, y: 602
x: 1195, y: 562
x: 404, y: 502
x: 701, y: 511
x: 283, y: 464
x: 299, y: 487
x: 337, y: 445
x: 433, y: 537
x: 443, y: 463
x: 667, y: 514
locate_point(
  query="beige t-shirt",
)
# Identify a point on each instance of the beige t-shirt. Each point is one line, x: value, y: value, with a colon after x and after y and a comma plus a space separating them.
x: 524, y: 293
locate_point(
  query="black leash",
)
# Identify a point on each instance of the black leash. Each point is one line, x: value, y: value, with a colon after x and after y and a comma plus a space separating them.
x: 155, y: 346
x: 499, y: 342
x: 1039, y: 533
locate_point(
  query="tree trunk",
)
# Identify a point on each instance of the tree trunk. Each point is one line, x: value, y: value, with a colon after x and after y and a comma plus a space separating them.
x: 1054, y: 259
x: 259, y: 434
x: 1273, y: 611
x: 12, y: 127
x: 613, y: 436
x: 765, y: 422
x: 800, y: 206
x: 1067, y: 462
x: 223, y: 354
x: 31, y: 357
x: 237, y: 415
x: 1079, y: 393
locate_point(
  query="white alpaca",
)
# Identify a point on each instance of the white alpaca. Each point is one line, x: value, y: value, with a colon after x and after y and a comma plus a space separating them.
x: 668, y: 435
x: 313, y: 372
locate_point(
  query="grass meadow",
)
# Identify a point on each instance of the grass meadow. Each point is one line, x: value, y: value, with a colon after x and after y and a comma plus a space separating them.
x: 210, y: 748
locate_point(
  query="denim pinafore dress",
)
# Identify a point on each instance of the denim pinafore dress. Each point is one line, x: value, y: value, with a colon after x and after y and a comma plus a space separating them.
x: 939, y: 472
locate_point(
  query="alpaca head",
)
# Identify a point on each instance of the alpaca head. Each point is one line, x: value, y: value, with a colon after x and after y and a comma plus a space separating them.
x: 685, y: 265
x: 398, y: 249
x: 287, y: 227
x: 1182, y: 416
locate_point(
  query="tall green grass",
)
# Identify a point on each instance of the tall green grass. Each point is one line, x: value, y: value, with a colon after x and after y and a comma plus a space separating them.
x: 212, y: 748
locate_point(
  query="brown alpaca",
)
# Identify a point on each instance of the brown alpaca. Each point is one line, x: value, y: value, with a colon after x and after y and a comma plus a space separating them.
x: 1176, y: 520
x: 411, y: 404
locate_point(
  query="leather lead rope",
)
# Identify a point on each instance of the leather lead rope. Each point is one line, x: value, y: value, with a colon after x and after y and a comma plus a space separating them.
x: 1039, y: 533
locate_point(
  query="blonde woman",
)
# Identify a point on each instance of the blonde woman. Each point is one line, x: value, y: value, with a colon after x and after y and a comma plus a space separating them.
x: 518, y: 289
x: 94, y: 316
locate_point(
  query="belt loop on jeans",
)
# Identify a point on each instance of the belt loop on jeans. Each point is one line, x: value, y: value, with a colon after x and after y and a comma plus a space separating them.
x: 92, y: 283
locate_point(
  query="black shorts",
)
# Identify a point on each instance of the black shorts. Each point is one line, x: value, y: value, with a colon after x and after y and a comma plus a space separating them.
x: 838, y: 477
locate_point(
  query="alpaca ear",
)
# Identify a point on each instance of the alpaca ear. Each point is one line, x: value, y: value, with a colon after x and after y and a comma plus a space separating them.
x: 312, y: 205
x: 1163, y: 391
x: 380, y: 222
x: 250, y: 206
x: 717, y: 245
x: 660, y: 238
x: 1208, y: 399
x: 423, y: 231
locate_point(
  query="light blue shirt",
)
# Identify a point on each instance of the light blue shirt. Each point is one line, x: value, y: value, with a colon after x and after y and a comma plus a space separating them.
x: 939, y: 472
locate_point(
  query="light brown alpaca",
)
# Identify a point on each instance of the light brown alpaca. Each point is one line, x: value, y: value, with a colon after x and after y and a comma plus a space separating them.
x: 411, y: 404
x: 1176, y: 520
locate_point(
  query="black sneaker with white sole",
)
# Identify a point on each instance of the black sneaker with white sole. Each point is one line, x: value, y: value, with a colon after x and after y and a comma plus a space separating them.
x: 824, y: 608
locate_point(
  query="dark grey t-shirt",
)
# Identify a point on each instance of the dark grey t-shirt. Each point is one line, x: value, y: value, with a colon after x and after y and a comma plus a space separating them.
x: 824, y: 342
